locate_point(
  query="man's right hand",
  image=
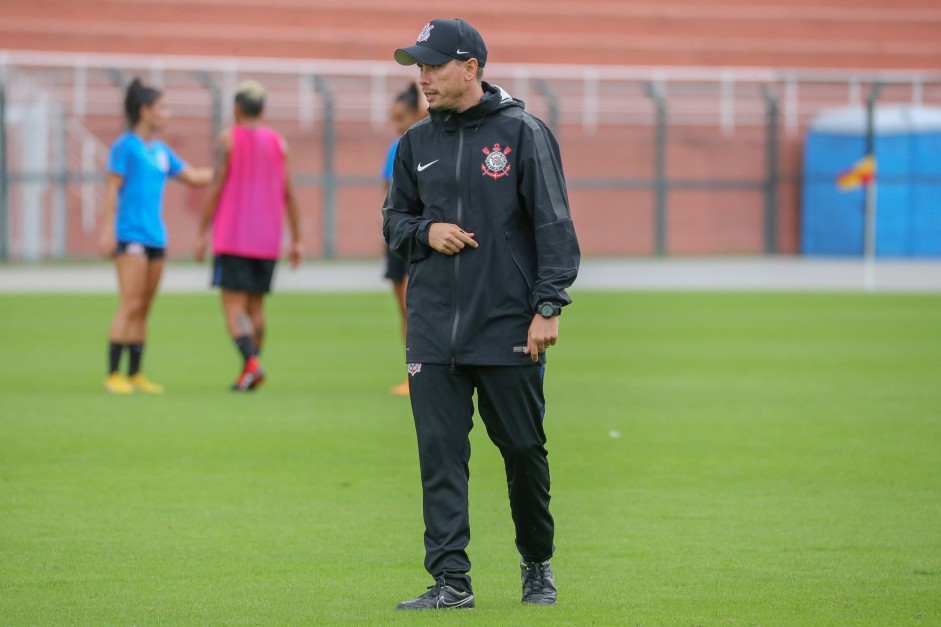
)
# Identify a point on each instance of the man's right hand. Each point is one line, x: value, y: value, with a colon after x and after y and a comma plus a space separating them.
x: 449, y: 239
x: 199, y: 246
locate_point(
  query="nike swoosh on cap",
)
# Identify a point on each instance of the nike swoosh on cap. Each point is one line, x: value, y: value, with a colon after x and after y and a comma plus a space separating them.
x: 422, y: 167
x: 462, y: 51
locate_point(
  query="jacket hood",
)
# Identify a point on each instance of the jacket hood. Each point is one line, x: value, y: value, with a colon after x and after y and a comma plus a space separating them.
x: 495, y: 99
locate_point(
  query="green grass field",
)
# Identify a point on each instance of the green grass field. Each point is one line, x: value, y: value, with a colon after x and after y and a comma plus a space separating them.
x: 717, y: 459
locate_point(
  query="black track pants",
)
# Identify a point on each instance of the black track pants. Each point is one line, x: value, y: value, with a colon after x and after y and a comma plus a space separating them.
x: 511, y: 403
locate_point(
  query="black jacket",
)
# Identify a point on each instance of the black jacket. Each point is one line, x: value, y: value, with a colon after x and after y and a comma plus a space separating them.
x: 495, y: 171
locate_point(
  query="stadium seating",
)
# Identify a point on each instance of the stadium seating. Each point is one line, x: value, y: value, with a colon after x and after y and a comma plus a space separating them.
x: 776, y: 33
x: 704, y: 147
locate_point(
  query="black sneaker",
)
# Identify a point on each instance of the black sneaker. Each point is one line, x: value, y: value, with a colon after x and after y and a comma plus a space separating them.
x: 538, y: 584
x: 440, y: 597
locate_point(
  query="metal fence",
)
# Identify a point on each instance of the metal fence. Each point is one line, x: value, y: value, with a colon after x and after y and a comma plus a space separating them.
x: 658, y: 160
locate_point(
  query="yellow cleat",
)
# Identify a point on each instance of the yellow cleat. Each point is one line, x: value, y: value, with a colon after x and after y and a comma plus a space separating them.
x: 142, y: 384
x: 117, y: 383
x: 400, y: 390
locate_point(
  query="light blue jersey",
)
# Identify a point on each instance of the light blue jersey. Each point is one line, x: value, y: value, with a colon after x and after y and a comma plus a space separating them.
x: 390, y: 158
x: 144, y: 168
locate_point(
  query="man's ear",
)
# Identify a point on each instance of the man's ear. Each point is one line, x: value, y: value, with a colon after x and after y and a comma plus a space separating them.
x: 470, y: 70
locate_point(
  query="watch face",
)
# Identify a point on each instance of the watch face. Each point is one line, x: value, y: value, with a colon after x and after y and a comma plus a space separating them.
x: 546, y: 310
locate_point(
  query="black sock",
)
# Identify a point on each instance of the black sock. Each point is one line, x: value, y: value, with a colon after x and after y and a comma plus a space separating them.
x: 114, y: 356
x: 246, y: 346
x: 136, y: 351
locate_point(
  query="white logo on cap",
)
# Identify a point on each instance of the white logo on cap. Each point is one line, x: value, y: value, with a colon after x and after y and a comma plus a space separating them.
x: 425, y: 33
x: 459, y: 51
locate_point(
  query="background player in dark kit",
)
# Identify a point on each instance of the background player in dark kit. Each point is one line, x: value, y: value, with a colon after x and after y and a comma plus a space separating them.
x: 408, y: 108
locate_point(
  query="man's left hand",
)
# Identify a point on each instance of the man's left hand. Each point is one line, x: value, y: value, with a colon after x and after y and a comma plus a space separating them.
x: 543, y: 333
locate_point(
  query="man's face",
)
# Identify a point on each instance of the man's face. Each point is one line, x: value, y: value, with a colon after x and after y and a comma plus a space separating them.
x: 443, y: 85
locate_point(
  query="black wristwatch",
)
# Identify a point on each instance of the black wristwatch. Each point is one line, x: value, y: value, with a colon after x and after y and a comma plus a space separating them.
x: 547, y: 310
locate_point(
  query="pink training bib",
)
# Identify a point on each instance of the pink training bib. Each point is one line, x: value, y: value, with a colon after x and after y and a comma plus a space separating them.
x: 249, y: 217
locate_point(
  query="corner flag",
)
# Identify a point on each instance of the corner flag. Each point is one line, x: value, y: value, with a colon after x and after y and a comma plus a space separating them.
x: 861, y: 174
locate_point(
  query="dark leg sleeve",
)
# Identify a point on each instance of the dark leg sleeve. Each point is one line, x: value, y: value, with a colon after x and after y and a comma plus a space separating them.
x: 442, y: 404
x: 512, y: 404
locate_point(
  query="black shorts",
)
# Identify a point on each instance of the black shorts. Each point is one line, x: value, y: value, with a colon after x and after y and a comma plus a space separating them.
x: 243, y: 274
x: 396, y: 267
x: 136, y: 248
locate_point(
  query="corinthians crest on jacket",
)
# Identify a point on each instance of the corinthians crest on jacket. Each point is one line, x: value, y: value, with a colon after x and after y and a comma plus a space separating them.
x: 496, y: 163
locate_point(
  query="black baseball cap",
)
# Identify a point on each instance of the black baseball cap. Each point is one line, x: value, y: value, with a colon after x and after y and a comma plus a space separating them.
x: 442, y: 40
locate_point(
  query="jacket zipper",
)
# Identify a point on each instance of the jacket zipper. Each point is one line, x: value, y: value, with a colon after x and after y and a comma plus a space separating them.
x: 455, y: 292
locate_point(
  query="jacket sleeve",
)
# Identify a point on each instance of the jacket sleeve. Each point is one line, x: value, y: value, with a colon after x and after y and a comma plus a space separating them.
x: 544, y: 195
x: 403, y: 227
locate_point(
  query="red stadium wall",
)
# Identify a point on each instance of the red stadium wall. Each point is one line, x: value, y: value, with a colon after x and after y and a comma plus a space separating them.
x: 766, y: 33
x: 868, y: 34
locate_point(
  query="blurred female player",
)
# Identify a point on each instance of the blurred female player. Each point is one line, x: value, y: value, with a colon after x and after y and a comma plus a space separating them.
x: 408, y: 107
x: 246, y: 206
x: 133, y: 231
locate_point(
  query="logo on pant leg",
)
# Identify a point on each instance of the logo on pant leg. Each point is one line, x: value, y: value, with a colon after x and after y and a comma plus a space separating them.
x: 414, y: 369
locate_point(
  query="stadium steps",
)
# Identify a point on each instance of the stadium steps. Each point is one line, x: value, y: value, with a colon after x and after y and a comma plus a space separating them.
x: 800, y: 33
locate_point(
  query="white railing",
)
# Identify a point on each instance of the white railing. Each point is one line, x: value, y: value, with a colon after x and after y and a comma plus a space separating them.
x: 591, y: 96
x: 56, y: 104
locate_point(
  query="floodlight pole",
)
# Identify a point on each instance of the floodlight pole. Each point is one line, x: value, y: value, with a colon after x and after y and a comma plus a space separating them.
x: 552, y: 103
x: 772, y: 174
x: 321, y: 86
x: 869, y: 248
x: 209, y: 83
x: 656, y: 92
x: 4, y: 178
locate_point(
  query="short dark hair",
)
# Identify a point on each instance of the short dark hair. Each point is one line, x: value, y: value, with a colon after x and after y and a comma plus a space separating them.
x: 409, y: 97
x: 138, y: 95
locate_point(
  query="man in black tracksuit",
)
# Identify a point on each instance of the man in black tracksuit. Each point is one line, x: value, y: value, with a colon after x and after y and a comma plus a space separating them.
x: 478, y: 205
